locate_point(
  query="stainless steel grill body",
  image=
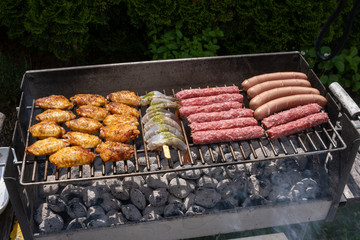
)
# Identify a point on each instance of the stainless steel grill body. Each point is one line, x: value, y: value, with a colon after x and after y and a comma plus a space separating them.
x: 338, y: 138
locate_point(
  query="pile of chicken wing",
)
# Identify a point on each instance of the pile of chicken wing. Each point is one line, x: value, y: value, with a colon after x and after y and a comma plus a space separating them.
x: 86, y: 132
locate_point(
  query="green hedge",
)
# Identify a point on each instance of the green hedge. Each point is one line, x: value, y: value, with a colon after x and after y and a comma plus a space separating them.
x: 123, y: 30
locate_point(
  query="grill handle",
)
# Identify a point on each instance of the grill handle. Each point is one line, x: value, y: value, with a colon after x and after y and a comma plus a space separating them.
x: 344, y: 98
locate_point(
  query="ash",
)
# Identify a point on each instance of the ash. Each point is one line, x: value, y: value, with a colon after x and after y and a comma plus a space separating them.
x: 187, y: 193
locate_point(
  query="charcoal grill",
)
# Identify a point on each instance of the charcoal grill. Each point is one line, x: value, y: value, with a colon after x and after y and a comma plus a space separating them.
x: 337, y: 140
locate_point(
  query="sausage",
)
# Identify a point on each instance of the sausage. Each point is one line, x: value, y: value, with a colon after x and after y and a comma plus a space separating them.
x: 272, y: 94
x: 248, y: 83
x: 262, y: 87
x: 287, y: 102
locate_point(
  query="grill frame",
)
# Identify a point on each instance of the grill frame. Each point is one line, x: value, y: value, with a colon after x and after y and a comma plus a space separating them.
x: 62, y: 81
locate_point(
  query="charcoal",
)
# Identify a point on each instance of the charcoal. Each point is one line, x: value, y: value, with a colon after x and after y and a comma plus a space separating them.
x: 194, y: 154
x: 207, y: 182
x: 146, y: 191
x: 116, y: 218
x: 305, y: 189
x: 142, y: 159
x: 230, y: 203
x: 173, y: 199
x: 98, y: 223
x: 225, y: 188
x: 76, y: 209
x: 174, y: 209
x: 286, y: 179
x: 179, y: 187
x: 195, y: 210
x: 150, y: 217
x: 254, y: 186
x: 52, y: 223
x: 235, y: 170
x: 77, y: 223
x: 98, y: 165
x: 131, y: 212
x: 46, y: 190
x: 279, y: 194
x: 95, y: 212
x: 225, y: 147
x: 91, y: 196
x: 254, y: 200
x: 265, y: 187
x: 191, y: 174
x: 215, y: 172
x: 157, y: 181
x: 270, y: 167
x: 189, y: 200
x: 154, y: 210
x: 257, y: 169
x: 170, y: 175
x: 230, y: 158
x: 154, y: 167
x: 120, y: 192
x: 240, y: 187
x: 56, y: 203
x: 133, y: 182
x: 192, y: 184
x: 109, y: 202
x: 207, y: 156
x: 207, y: 197
x: 102, y: 187
x: 43, y: 211
x: 159, y: 197
x: 120, y: 166
x: 286, y: 165
x: 137, y: 198
x: 71, y: 191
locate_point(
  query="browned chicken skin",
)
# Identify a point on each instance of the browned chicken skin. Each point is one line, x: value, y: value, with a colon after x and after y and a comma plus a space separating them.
x: 121, y: 119
x: 82, y: 139
x: 54, y: 101
x: 119, y: 133
x: 94, y: 112
x: 122, y: 109
x: 72, y: 156
x: 86, y: 125
x: 46, y: 129
x: 88, y: 99
x: 125, y: 97
x: 114, y: 151
x: 46, y: 146
x: 56, y: 115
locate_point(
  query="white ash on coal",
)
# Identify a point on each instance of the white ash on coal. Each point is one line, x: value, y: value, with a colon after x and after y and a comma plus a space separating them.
x: 186, y: 193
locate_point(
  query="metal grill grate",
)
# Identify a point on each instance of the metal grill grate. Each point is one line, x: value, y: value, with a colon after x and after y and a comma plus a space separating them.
x: 319, y: 140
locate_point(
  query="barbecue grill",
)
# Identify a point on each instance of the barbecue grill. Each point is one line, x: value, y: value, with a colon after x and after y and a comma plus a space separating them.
x: 331, y: 147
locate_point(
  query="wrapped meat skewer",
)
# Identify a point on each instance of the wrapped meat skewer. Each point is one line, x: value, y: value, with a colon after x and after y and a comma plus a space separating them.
x: 165, y: 138
x: 158, y: 128
x: 161, y: 120
x: 146, y: 99
x: 161, y: 112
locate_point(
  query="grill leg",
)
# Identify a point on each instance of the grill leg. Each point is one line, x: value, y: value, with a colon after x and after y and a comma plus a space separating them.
x: 11, y: 177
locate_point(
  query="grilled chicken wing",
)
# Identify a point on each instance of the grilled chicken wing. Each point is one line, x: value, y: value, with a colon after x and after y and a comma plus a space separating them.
x: 72, y: 156
x: 120, y: 119
x: 125, y: 97
x: 46, y: 146
x: 88, y: 99
x: 122, y: 109
x: 114, y: 151
x: 55, y: 115
x: 83, y: 140
x: 54, y: 101
x: 46, y: 129
x: 94, y: 112
x: 119, y: 133
x: 86, y: 125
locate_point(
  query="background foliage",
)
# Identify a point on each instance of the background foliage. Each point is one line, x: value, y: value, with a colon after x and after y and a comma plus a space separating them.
x: 93, y: 31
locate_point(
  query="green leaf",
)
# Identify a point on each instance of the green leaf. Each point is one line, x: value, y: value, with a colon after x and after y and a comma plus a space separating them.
x: 178, y: 33
x: 353, y: 51
x: 347, y: 83
x: 328, y: 66
x: 340, y: 66
x: 312, y: 53
x: 356, y: 77
x: 161, y: 49
x: 325, y: 49
x: 324, y: 79
x: 333, y: 78
x: 172, y: 46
